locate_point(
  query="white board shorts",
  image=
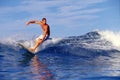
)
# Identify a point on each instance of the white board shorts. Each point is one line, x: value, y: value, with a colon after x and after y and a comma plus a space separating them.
x: 41, y: 37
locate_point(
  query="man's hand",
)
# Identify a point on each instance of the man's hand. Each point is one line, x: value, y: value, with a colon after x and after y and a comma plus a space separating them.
x: 27, y: 23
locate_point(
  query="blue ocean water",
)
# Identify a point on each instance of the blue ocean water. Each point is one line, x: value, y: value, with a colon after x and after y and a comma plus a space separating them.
x: 92, y: 56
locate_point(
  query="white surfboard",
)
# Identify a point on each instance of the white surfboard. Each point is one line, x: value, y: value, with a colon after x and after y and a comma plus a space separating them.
x: 26, y: 48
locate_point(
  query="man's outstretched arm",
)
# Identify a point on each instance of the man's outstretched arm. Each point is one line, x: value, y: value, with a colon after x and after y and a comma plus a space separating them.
x: 33, y: 21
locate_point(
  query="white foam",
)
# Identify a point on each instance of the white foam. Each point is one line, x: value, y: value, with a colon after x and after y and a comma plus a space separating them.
x: 13, y: 41
x: 113, y: 37
x: 49, y: 43
x: 8, y: 41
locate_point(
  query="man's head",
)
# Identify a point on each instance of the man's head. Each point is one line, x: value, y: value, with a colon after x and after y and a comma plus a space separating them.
x: 44, y: 20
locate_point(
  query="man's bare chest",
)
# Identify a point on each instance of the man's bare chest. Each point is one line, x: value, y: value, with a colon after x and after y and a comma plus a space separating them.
x: 44, y: 27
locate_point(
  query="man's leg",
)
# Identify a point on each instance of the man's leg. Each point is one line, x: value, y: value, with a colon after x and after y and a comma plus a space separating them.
x: 37, y: 43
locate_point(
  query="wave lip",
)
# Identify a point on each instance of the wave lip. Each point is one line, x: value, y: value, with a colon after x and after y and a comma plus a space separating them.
x: 112, y: 37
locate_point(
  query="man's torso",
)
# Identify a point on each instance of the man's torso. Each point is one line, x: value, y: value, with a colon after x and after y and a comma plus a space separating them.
x: 45, y: 28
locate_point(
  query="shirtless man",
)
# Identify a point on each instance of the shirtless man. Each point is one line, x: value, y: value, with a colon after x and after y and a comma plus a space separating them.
x: 46, y: 32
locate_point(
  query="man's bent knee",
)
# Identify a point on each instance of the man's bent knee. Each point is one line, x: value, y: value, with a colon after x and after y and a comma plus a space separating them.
x: 39, y: 41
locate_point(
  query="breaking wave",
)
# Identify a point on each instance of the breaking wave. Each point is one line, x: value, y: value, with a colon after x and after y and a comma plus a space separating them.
x: 102, y: 42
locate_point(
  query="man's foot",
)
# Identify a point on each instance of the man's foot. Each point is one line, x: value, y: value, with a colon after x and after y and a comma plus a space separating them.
x: 32, y: 49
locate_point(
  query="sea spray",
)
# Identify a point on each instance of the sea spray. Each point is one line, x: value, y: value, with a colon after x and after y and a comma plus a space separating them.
x: 113, y: 37
x: 49, y: 43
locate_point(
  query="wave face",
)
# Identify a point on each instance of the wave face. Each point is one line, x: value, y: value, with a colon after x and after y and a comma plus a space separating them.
x: 90, y: 44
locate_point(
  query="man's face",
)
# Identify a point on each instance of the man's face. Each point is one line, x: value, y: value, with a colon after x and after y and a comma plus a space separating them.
x: 44, y: 21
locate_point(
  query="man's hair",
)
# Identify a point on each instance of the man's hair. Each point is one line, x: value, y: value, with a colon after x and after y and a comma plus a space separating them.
x: 43, y: 19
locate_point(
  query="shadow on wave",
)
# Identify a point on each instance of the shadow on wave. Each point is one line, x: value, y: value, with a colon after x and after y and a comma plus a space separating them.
x: 104, y: 78
x: 79, y: 51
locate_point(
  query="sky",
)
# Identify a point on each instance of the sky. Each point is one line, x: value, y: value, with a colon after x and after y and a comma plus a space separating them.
x: 65, y: 17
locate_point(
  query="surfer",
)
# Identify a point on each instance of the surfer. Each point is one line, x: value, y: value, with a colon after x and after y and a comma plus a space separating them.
x: 46, y: 32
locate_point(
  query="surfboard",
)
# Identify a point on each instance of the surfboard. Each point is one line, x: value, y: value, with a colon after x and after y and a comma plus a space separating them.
x: 26, y: 48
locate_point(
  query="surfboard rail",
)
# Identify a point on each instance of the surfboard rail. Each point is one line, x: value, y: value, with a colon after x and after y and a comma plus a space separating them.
x: 26, y: 48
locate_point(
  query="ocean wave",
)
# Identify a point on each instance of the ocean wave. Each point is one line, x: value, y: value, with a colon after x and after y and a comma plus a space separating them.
x: 89, y: 43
